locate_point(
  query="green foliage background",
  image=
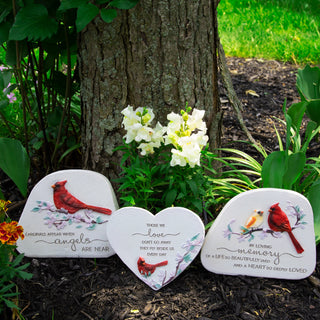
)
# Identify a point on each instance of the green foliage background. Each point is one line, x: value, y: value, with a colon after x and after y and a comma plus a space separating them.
x: 284, y: 30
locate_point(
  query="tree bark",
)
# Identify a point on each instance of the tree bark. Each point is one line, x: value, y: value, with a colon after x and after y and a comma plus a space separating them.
x: 160, y: 54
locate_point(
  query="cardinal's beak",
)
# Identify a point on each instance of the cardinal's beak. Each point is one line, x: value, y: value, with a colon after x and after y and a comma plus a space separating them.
x: 53, y: 186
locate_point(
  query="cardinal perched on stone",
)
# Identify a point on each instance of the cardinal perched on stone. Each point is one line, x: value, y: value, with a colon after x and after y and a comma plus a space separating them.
x: 63, y: 199
x: 147, y: 269
x: 279, y: 222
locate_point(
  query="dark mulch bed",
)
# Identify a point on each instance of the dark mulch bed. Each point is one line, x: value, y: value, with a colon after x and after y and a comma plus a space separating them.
x: 106, y: 289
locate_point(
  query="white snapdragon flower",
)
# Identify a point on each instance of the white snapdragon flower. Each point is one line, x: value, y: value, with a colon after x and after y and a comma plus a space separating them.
x: 189, y: 156
x: 175, y: 119
x: 190, y: 152
x: 132, y: 132
x: 200, y: 138
x: 195, y: 120
x: 144, y: 133
x: 130, y: 118
x: 147, y: 148
x: 131, y: 122
x: 137, y: 124
x: 177, y: 159
x: 181, y: 135
x: 174, y: 128
x: 158, y: 133
x: 156, y: 140
x: 148, y: 117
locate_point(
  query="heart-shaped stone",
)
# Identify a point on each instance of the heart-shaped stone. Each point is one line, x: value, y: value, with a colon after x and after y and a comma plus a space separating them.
x: 156, y: 248
x: 62, y: 226
x: 265, y: 233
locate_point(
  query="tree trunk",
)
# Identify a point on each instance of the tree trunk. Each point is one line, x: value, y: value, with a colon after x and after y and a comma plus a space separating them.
x: 160, y: 54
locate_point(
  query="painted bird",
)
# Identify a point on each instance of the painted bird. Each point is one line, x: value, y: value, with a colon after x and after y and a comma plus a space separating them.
x: 147, y: 269
x: 278, y: 221
x: 254, y: 221
x: 63, y: 199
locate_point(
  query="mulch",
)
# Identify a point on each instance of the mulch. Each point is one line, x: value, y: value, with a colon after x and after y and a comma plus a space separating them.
x: 87, y: 289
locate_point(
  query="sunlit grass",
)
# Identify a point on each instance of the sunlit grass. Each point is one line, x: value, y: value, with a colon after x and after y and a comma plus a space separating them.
x: 285, y: 30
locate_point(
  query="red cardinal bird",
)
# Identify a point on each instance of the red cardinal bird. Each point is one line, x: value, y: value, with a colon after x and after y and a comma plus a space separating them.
x: 147, y: 269
x: 278, y: 221
x: 63, y: 199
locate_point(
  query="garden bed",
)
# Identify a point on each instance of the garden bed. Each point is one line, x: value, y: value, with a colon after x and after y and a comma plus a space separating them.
x: 106, y: 289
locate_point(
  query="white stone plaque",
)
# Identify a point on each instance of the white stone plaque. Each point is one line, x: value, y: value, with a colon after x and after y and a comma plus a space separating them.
x: 264, y: 233
x: 156, y: 248
x: 66, y: 216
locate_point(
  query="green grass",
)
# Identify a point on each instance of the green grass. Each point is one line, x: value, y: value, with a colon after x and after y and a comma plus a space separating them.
x: 284, y: 30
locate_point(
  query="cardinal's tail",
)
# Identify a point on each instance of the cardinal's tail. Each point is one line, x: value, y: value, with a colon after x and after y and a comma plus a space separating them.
x: 296, y: 243
x: 100, y: 210
x: 163, y: 263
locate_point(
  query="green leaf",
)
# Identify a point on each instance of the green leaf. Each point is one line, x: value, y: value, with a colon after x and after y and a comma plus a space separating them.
x: 183, y: 187
x: 85, y: 14
x: 108, y: 15
x: 7, y: 288
x: 17, y: 260
x: 23, y: 267
x: 14, y: 161
x: 129, y: 199
x: 10, y: 304
x: 310, y: 132
x: 295, y: 165
x: 5, y: 77
x: 296, y: 112
x: 6, y: 9
x: 170, y: 197
x: 4, y: 31
x: 273, y: 169
x: 314, y: 199
x: 74, y: 147
x: 34, y: 23
x: 25, y: 275
x: 193, y: 186
x: 11, y: 58
x: 71, y: 4
x: 54, y: 117
x: 123, y: 4
x: 198, y: 204
x: 308, y: 83
x: 313, y: 110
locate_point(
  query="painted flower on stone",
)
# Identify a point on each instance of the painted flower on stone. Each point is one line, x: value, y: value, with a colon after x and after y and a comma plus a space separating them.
x: 192, y: 245
x: 241, y: 238
x: 76, y: 217
x: 50, y: 221
x: 263, y: 234
x: 61, y: 225
x: 228, y: 232
x: 10, y: 232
